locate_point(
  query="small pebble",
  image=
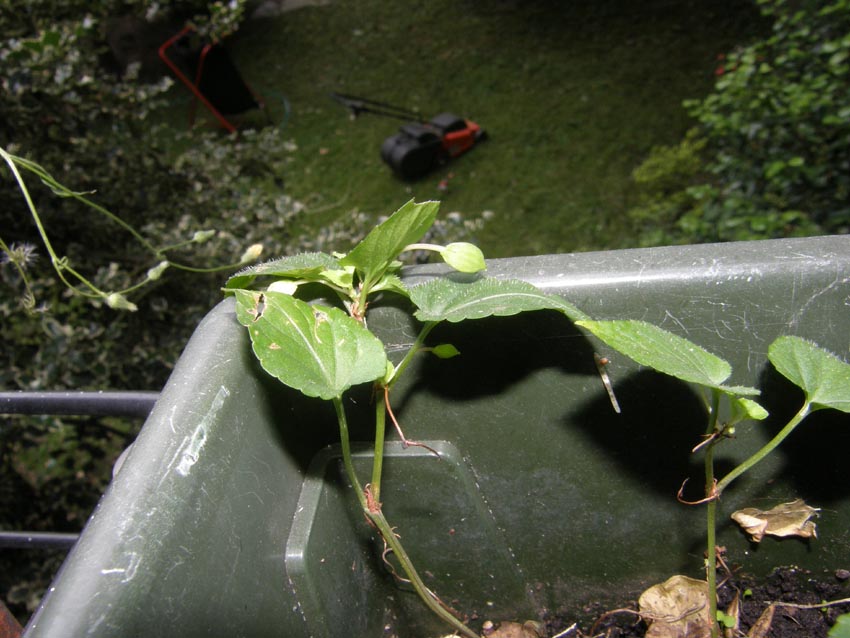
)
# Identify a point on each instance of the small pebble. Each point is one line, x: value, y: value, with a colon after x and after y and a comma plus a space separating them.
x: 842, y: 574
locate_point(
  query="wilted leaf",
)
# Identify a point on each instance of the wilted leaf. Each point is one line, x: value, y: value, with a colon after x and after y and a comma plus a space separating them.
x: 731, y: 619
x: 676, y: 608
x: 528, y: 629
x: 788, y: 519
x: 446, y: 300
x: 761, y: 628
x: 823, y: 377
x: 318, y: 350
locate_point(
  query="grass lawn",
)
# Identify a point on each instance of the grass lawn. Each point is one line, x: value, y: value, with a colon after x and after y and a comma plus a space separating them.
x: 572, y: 94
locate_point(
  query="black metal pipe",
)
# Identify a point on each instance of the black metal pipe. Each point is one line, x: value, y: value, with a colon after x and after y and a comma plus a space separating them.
x: 79, y: 403
x: 359, y: 105
x: 37, y: 540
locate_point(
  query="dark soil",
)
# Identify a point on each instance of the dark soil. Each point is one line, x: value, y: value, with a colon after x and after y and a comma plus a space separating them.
x: 786, y: 585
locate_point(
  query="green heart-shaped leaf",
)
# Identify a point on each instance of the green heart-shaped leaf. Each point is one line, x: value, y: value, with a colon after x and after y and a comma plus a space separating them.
x: 841, y: 628
x: 391, y: 283
x: 447, y: 300
x: 318, y: 350
x: 303, y: 266
x: 743, y: 409
x: 661, y: 350
x: 823, y: 377
x: 738, y: 390
x: 380, y: 248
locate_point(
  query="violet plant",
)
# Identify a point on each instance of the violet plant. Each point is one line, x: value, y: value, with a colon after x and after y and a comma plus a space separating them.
x: 324, y: 350
x: 823, y: 377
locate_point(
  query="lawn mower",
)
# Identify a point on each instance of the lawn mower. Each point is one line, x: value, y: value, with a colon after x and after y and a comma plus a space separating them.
x: 420, y: 145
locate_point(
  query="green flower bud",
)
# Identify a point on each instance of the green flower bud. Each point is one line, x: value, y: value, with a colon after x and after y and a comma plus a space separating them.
x: 156, y: 272
x: 445, y: 351
x: 252, y: 253
x: 464, y: 257
x: 201, y: 236
x: 117, y: 301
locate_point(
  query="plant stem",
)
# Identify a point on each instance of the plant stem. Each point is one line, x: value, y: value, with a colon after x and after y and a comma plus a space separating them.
x: 414, y: 349
x: 767, y: 449
x: 206, y: 270
x: 346, y: 451
x: 711, y: 515
x: 380, y: 431
x: 372, y: 510
x: 436, y: 248
x: 711, y: 564
x: 59, y: 265
x: 64, y: 191
x: 427, y: 596
x: 381, y: 408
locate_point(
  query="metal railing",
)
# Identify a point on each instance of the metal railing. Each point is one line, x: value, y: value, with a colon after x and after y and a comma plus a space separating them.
x: 68, y: 403
x: 79, y: 403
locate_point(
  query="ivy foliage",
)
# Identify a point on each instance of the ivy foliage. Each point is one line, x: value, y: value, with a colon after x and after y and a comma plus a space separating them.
x: 95, y: 127
x: 770, y: 153
x: 92, y: 126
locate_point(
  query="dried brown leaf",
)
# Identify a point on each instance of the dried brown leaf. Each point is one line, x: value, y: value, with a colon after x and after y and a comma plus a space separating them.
x: 676, y: 608
x: 761, y: 628
x: 733, y: 611
x: 787, y: 519
x: 528, y: 629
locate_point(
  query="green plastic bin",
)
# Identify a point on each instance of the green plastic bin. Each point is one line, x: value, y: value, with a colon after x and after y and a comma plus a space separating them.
x: 230, y: 515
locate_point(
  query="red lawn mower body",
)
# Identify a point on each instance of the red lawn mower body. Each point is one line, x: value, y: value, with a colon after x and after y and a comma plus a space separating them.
x: 419, y: 146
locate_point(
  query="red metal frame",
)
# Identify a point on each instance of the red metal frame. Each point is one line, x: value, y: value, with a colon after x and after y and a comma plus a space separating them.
x: 193, y: 86
x: 201, y: 60
x: 9, y: 625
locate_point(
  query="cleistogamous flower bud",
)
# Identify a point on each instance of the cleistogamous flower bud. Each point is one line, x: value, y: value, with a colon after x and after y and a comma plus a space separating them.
x: 252, y: 253
x: 117, y: 301
x: 464, y: 257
